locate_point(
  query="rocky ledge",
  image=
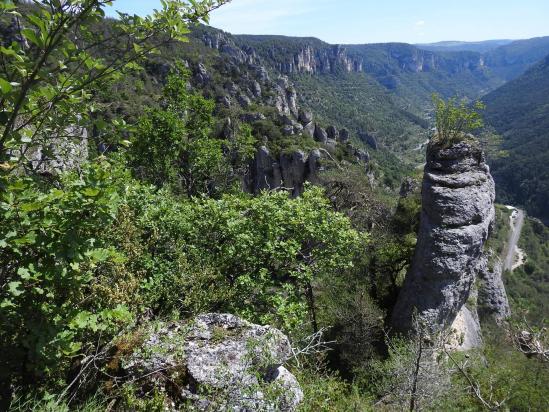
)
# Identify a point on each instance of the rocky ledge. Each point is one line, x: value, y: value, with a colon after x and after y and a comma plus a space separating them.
x: 457, y: 215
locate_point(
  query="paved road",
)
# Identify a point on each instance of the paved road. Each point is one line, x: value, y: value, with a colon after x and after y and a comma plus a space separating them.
x: 514, y: 236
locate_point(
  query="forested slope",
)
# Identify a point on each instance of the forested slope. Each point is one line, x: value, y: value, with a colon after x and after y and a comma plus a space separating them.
x: 519, y: 111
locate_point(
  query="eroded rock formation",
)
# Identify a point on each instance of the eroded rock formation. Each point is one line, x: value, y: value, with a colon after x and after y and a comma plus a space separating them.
x: 217, y: 362
x: 289, y: 170
x: 457, y: 216
x: 65, y: 151
x: 492, y: 297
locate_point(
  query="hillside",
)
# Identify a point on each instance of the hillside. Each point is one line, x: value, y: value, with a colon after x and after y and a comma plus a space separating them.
x: 475, y: 46
x: 519, y: 111
x: 510, y: 61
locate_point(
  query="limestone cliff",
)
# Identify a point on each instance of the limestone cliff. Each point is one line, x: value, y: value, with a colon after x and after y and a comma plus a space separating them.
x: 457, y: 216
x: 314, y: 60
x: 289, y: 171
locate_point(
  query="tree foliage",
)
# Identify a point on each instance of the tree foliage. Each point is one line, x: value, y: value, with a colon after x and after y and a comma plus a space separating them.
x: 454, y: 120
x: 50, y: 243
x: 52, y: 64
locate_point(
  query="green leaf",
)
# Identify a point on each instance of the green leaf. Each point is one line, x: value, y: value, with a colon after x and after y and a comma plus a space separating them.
x: 24, y: 273
x: 30, y: 35
x: 81, y: 320
x: 7, y: 5
x: 90, y: 192
x: 73, y: 348
x: 13, y: 288
x: 28, y: 239
x: 30, y: 207
x: 6, y: 303
x: 98, y: 255
x: 37, y: 22
x: 5, y: 86
x: 8, y: 51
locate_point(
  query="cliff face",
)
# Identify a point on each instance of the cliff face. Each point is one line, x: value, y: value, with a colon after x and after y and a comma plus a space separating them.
x: 317, y: 60
x: 457, y: 215
x: 392, y: 58
x: 292, y: 55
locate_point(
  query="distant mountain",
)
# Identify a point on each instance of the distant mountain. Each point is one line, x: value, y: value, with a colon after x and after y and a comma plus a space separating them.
x: 478, y: 46
x: 510, y: 61
x: 519, y: 111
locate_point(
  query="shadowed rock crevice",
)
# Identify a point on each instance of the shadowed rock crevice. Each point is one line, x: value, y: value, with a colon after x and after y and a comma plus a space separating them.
x: 456, y: 219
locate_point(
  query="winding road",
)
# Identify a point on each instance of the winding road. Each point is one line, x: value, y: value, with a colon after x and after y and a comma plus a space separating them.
x: 516, y: 223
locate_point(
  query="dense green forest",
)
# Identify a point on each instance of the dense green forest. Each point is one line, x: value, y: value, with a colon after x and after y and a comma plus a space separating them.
x: 518, y: 111
x: 123, y: 208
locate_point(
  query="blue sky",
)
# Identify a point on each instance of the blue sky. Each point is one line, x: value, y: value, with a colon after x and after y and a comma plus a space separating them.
x: 368, y: 21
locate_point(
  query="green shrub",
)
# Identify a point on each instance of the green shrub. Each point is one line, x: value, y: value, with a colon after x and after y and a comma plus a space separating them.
x: 50, y: 244
x: 455, y: 120
x: 326, y: 391
x: 256, y: 256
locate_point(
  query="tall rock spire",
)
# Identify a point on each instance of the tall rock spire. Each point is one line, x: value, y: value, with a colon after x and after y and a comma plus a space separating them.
x: 457, y: 215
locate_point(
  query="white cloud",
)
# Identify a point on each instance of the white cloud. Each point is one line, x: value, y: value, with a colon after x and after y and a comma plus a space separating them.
x: 420, y: 23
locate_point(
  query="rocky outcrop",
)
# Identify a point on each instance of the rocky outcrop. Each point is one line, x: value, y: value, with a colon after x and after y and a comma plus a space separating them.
x: 289, y: 171
x: 362, y: 155
x: 457, y: 216
x: 333, y: 133
x: 216, y: 362
x: 409, y: 185
x: 294, y: 171
x: 369, y: 139
x: 286, y: 99
x: 223, y: 42
x: 201, y: 75
x: 252, y: 117
x: 492, y: 297
x: 310, y: 59
x: 254, y: 83
x: 344, y: 136
x: 244, y: 100
x: 314, y: 165
x: 309, y: 129
x: 320, y: 134
x: 266, y: 174
x: 305, y: 117
x: 64, y: 152
x: 393, y: 58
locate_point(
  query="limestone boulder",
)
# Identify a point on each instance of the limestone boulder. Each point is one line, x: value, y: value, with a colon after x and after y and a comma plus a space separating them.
x: 216, y: 362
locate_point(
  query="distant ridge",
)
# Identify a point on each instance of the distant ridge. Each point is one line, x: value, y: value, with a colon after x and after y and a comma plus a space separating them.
x: 454, y: 45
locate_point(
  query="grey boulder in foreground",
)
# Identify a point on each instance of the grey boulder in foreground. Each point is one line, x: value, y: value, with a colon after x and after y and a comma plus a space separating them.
x: 217, y: 362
